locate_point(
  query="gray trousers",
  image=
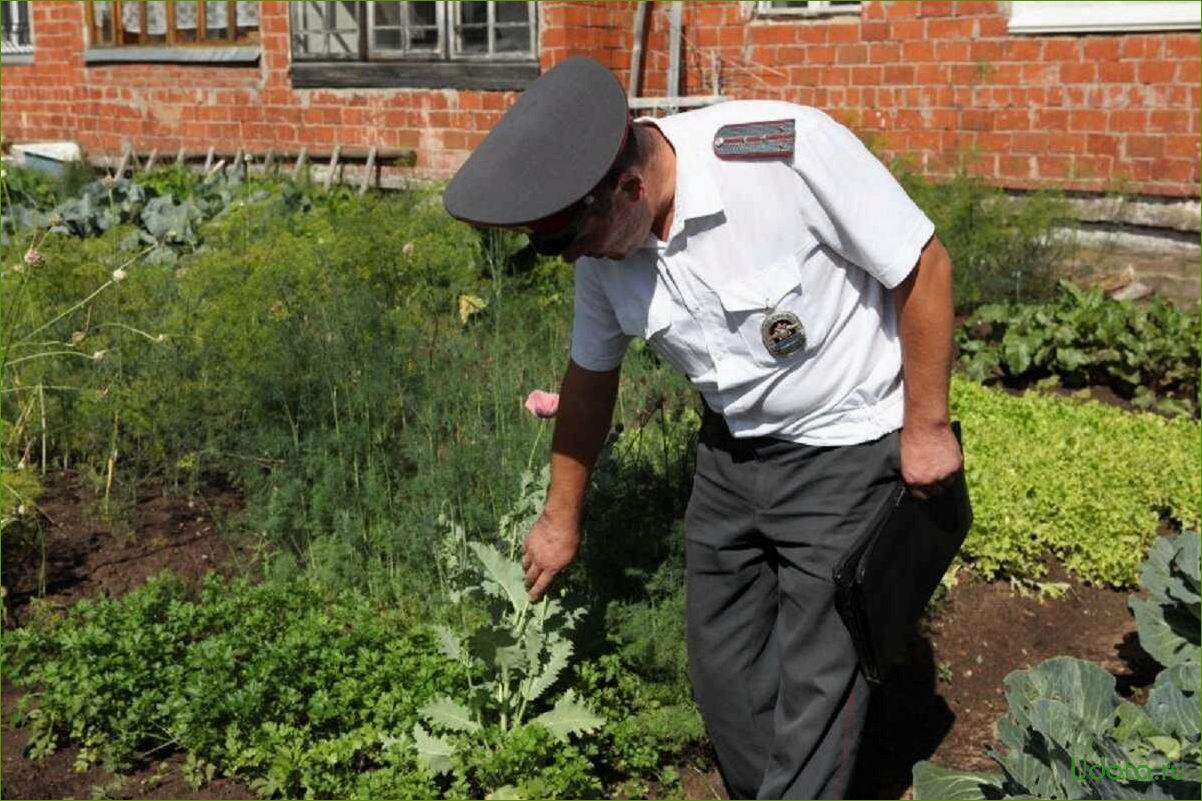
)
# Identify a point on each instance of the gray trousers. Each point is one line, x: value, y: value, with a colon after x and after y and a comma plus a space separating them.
x: 773, y: 668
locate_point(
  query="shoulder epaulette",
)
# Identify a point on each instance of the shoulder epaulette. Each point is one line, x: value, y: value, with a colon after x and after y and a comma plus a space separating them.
x: 755, y: 140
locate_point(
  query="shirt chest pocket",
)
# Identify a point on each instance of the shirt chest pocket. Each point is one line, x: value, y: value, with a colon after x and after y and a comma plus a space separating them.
x: 769, y: 315
x: 646, y: 309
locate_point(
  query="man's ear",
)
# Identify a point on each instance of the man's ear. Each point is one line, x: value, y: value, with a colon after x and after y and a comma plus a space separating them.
x: 631, y: 185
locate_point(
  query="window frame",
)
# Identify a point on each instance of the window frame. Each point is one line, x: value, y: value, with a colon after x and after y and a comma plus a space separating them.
x: 447, y: 67
x: 455, y: 21
x: 1044, y: 17
x: 377, y: 54
x: 120, y: 35
x: 203, y: 49
x: 815, y: 8
x: 15, y: 52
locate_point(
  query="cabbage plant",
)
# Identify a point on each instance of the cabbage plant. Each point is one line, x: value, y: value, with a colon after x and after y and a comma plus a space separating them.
x: 1068, y: 734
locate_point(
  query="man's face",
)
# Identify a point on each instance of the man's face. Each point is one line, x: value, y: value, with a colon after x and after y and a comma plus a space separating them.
x: 621, y: 229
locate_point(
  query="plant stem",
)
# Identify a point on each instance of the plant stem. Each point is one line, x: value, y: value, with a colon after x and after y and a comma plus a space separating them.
x: 526, y: 685
x: 86, y: 300
x: 49, y: 353
x: 42, y: 402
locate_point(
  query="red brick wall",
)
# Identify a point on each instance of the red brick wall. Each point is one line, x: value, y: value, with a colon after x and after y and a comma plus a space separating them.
x: 937, y: 82
x: 169, y: 106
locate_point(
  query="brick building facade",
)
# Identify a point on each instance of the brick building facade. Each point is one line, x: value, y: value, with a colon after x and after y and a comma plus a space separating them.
x: 1085, y: 105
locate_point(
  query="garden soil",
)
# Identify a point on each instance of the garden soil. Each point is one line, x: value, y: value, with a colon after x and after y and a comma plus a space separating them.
x: 87, y: 556
x: 941, y: 705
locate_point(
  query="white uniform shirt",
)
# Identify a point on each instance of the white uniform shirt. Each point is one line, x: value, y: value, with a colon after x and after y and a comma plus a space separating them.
x: 824, y: 235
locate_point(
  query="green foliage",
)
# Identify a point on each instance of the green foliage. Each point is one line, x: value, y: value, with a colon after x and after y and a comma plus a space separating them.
x: 296, y: 689
x: 1068, y: 734
x: 650, y: 630
x: 166, y: 209
x: 515, y: 651
x: 313, y: 344
x: 1149, y: 352
x: 21, y: 534
x: 1001, y: 249
x: 1085, y: 482
x: 290, y: 687
x: 100, y: 206
x: 27, y: 194
x: 646, y: 722
x: 1169, y: 617
x: 631, y: 554
x: 320, y: 363
x: 526, y: 762
x: 24, y: 192
x: 19, y: 490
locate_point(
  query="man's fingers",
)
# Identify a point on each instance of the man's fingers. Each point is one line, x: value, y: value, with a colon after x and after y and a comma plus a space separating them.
x: 540, y: 586
x: 526, y: 560
x: 924, y: 492
x: 531, y: 574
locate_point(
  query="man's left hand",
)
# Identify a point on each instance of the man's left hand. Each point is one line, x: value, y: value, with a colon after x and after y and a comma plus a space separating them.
x: 930, y: 456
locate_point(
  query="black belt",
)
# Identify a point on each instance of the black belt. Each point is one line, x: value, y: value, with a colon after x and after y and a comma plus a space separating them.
x: 716, y: 434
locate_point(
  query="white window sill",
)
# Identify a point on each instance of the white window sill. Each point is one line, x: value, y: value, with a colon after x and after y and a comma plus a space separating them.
x: 234, y: 56
x: 16, y: 58
x: 1093, y: 17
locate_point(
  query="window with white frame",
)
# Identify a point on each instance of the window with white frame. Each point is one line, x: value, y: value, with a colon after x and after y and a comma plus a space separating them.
x: 444, y: 44
x: 17, y: 38
x: 806, y: 8
x: 1051, y: 16
x: 422, y: 30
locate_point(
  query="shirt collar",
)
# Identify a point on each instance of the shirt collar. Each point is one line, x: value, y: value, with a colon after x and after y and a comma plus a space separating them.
x: 696, y: 195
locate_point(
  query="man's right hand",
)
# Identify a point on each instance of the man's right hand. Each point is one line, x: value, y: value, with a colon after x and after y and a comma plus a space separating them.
x: 586, y: 404
x: 547, y: 549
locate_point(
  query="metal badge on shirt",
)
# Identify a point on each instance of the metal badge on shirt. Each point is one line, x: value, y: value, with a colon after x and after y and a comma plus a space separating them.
x: 782, y: 333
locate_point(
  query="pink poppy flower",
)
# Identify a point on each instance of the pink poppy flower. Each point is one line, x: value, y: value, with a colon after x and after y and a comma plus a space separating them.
x: 542, y: 404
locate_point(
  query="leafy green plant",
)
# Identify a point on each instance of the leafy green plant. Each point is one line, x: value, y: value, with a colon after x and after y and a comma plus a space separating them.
x: 21, y: 535
x: 1065, y: 720
x: 1086, y: 483
x: 25, y: 193
x: 650, y: 722
x: 520, y: 649
x: 650, y: 631
x: 1068, y: 734
x: 512, y: 650
x: 528, y: 762
x: 1002, y: 249
x: 1146, y: 352
x: 287, y: 687
x: 102, y: 205
x: 1169, y: 617
x: 28, y: 195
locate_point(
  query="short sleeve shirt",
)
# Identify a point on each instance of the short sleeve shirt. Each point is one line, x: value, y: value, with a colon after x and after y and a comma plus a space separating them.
x: 823, y: 235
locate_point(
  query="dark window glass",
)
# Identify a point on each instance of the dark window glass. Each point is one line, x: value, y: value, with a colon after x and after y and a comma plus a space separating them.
x: 15, y: 19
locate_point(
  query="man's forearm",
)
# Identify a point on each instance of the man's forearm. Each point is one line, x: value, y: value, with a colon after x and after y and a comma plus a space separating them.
x: 586, y: 403
x: 925, y: 319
